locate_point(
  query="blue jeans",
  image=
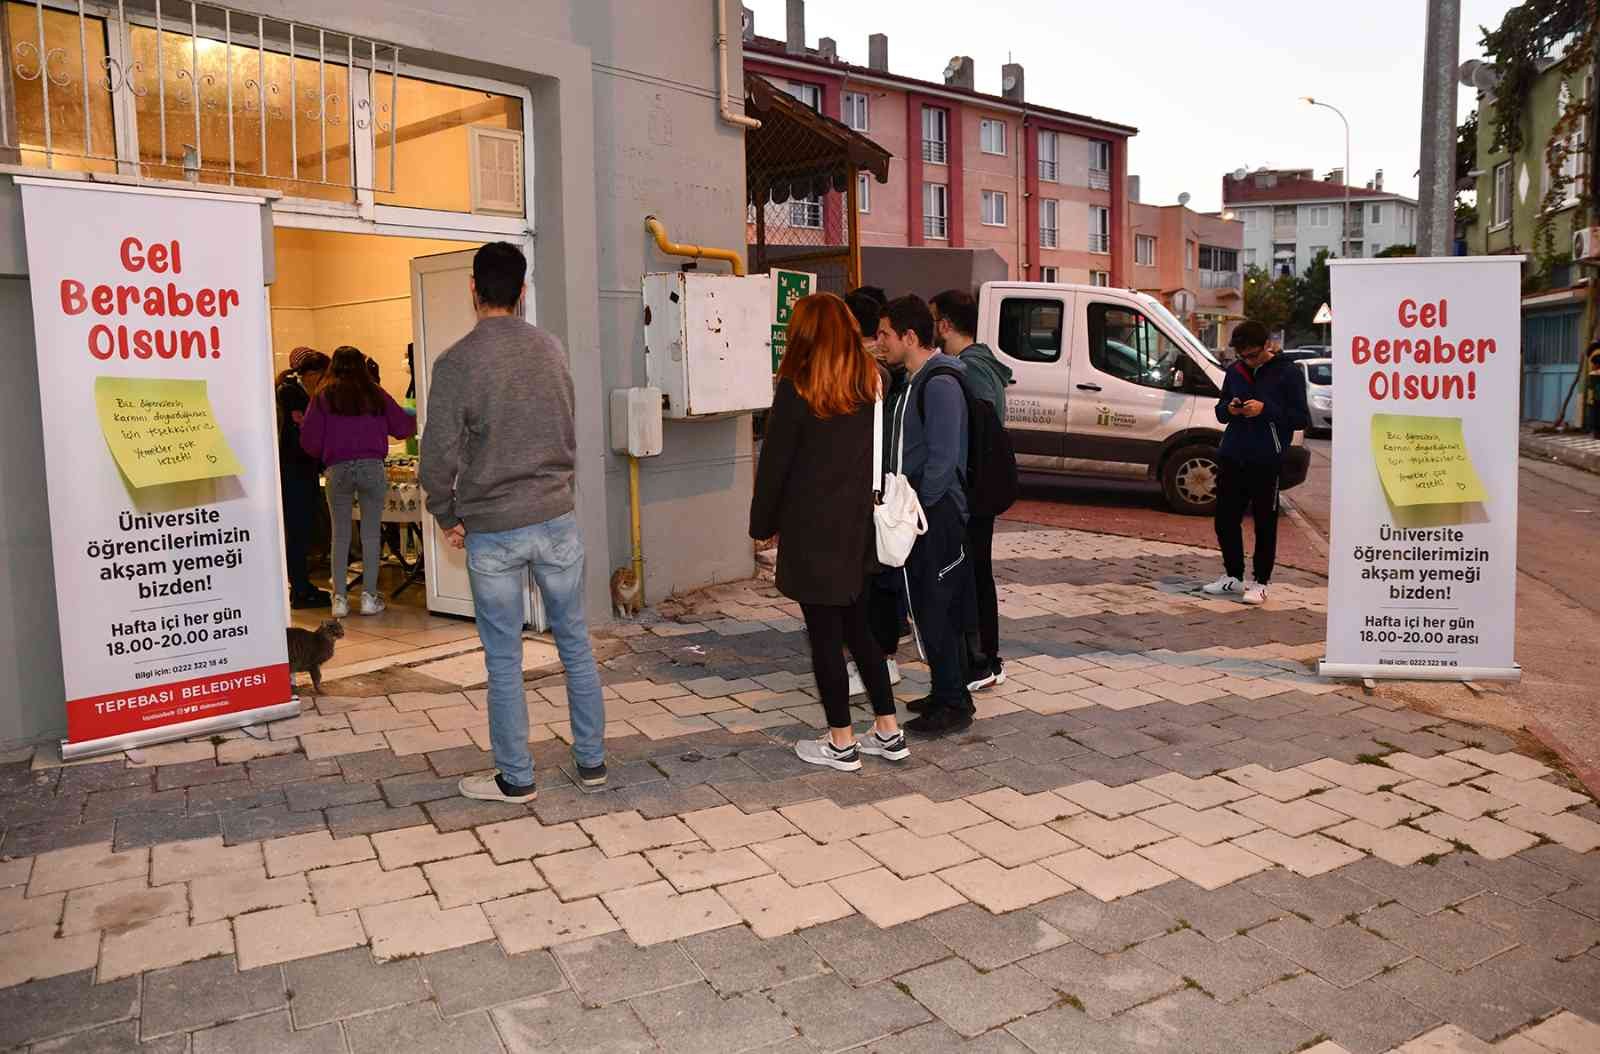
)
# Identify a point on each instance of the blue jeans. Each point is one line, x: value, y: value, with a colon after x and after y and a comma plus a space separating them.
x: 348, y: 483
x: 498, y: 563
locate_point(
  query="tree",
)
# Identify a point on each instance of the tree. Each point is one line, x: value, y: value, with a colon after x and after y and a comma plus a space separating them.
x: 1268, y: 300
x: 1310, y: 293
x: 1398, y: 250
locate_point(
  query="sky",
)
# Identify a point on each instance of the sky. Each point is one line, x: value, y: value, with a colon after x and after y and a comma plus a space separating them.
x: 1212, y: 85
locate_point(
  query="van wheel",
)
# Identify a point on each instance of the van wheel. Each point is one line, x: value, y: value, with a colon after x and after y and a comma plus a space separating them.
x: 1189, y: 480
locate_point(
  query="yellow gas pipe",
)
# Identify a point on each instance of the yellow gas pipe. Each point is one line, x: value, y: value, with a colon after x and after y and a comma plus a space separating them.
x: 697, y: 252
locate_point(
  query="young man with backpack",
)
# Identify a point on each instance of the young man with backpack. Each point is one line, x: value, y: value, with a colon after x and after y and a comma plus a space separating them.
x: 929, y: 422
x: 955, y: 320
x: 1263, y: 404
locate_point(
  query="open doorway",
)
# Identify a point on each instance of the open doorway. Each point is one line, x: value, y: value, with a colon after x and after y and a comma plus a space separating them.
x: 338, y: 288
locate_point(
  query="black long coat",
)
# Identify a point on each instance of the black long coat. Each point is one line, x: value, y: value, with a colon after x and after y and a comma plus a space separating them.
x: 814, y: 490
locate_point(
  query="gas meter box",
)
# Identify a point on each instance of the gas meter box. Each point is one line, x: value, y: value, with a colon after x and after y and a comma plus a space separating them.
x: 708, y: 342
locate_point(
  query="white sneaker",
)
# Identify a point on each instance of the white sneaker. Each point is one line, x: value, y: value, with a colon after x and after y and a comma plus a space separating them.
x: 372, y: 603
x: 1227, y: 585
x: 823, y: 752
x: 341, y: 607
x: 859, y: 687
x: 1255, y: 593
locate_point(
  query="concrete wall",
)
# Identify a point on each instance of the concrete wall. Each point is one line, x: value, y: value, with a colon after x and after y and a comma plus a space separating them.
x: 625, y: 123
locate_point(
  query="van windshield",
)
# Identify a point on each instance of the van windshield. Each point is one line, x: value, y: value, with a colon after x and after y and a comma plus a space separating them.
x: 1190, y: 341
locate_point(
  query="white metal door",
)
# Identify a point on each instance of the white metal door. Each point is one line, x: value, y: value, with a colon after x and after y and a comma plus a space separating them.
x: 441, y: 314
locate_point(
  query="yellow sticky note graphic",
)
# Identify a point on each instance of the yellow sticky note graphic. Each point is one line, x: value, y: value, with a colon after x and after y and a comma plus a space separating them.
x: 162, y: 431
x: 1424, y: 460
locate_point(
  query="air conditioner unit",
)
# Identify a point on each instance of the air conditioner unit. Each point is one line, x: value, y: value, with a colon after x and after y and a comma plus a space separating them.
x: 1586, y: 244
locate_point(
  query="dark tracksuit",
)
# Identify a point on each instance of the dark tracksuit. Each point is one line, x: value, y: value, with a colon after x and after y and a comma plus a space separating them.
x: 988, y: 378
x: 886, y: 592
x: 1251, y: 457
x: 937, y: 572
x: 298, y: 475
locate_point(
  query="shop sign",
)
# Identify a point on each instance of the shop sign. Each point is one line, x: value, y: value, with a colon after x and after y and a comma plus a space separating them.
x: 155, y: 390
x: 1422, y: 568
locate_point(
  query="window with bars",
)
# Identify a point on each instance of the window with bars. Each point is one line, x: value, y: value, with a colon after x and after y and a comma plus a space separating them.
x: 935, y: 135
x: 855, y: 110
x: 992, y: 136
x: 994, y: 208
x: 1099, y: 229
x: 935, y: 210
x: 1048, y: 147
x: 1099, y: 164
x: 806, y: 212
x: 1049, y: 220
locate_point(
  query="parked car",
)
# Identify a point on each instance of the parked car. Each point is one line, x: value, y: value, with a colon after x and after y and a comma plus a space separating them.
x: 1108, y: 383
x: 1319, y: 392
x: 1307, y: 351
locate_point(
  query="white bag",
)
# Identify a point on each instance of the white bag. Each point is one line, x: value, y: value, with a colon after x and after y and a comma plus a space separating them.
x: 897, y: 515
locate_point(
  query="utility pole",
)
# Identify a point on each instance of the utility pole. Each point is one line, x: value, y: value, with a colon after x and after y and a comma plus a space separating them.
x: 1437, y: 195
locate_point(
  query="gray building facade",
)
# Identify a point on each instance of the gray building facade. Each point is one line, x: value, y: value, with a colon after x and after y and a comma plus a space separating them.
x: 619, y: 110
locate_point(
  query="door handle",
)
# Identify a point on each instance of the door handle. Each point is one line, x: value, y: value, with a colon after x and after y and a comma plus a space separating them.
x: 1088, y: 387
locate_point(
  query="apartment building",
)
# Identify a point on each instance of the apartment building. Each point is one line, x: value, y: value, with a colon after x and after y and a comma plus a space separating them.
x: 1043, y: 187
x: 1193, y: 263
x: 1290, y: 216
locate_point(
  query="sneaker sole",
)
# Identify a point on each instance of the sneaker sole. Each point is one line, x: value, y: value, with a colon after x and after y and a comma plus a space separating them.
x: 842, y: 766
x: 887, y: 755
x: 982, y: 682
x: 522, y: 799
x: 597, y: 781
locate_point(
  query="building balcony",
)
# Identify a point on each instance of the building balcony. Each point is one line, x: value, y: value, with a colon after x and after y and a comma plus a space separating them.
x: 1221, y: 280
x: 1099, y: 179
x: 935, y: 151
x: 1048, y: 170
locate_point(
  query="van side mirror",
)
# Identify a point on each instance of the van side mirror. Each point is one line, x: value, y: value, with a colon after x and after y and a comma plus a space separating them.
x: 1178, y: 380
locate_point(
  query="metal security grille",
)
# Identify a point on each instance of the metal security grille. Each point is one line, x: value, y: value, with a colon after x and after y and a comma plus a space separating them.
x: 198, y: 92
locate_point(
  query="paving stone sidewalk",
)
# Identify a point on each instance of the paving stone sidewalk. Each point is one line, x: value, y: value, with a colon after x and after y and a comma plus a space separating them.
x: 1162, y: 834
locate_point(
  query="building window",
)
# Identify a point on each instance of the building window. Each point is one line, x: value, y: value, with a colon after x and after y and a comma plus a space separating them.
x: 1317, y: 216
x: 806, y: 212
x: 1249, y: 258
x: 1123, y: 343
x: 992, y: 137
x: 1049, y: 274
x: 1047, y: 156
x: 1144, y: 250
x: 1188, y: 256
x: 1049, y: 218
x: 1377, y: 215
x: 1099, y: 229
x: 863, y: 192
x: 1219, y: 267
x: 855, y: 110
x: 810, y: 94
x: 1575, y: 166
x: 1317, y: 250
x: 994, y: 208
x: 1099, y: 278
x: 1250, y: 217
x: 1099, y: 164
x: 935, y: 135
x: 935, y: 210
x: 1502, y: 193
x: 1375, y: 248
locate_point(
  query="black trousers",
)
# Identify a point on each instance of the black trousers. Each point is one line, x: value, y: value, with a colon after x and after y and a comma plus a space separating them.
x: 1239, y: 485
x: 983, y: 616
x: 886, y: 609
x: 940, y: 579
x: 833, y: 628
x: 301, y: 499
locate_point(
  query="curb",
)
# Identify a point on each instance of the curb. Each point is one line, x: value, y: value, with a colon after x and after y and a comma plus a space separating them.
x: 1547, y: 449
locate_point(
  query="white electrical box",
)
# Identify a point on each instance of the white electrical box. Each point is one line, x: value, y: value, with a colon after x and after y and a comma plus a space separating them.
x: 636, y: 421
x: 708, y: 342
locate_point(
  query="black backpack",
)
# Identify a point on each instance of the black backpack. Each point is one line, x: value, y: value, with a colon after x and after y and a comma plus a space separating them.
x: 991, y: 471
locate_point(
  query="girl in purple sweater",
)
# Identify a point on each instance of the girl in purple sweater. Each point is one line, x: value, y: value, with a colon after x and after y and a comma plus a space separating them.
x: 347, y: 427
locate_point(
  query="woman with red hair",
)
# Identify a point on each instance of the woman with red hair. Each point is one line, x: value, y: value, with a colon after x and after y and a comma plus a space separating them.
x: 814, y: 492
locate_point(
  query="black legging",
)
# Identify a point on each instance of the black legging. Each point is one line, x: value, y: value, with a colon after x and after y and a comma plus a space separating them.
x: 980, y: 548
x: 833, y: 628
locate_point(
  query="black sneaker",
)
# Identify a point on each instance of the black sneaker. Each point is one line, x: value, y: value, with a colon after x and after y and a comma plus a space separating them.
x: 940, y: 721
x: 591, y: 775
x: 892, y: 749
x: 317, y: 598
x: 919, y: 706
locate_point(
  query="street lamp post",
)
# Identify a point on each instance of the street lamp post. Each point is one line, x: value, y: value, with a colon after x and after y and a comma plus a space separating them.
x: 1344, y: 242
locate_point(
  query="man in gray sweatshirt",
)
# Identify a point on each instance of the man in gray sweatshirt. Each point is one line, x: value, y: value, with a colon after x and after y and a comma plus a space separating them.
x: 498, y: 455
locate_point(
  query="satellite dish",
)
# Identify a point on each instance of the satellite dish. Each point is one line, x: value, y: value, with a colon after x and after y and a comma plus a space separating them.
x: 1241, y: 172
x: 1183, y: 199
x: 952, y: 67
x: 1008, y: 84
x: 1475, y: 73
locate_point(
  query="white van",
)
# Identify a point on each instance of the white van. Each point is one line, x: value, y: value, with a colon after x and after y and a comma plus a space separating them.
x: 1107, y: 383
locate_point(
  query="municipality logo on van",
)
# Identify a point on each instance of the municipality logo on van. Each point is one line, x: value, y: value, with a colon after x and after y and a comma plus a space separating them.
x: 1109, y: 418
